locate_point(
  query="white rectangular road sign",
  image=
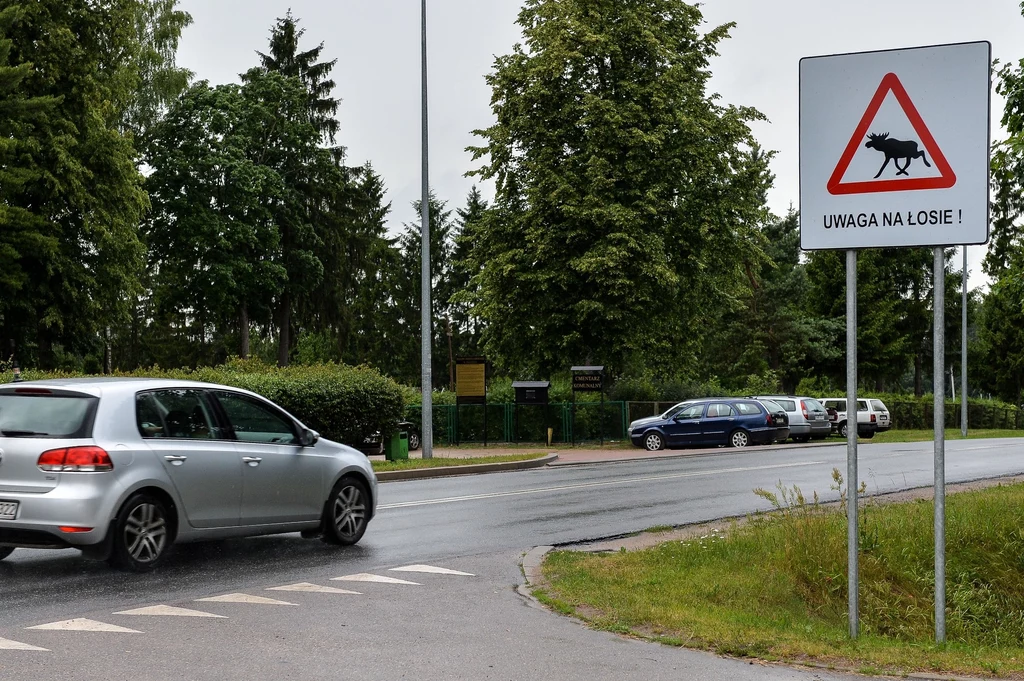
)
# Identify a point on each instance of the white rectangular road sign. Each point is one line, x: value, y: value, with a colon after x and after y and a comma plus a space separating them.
x: 894, y: 147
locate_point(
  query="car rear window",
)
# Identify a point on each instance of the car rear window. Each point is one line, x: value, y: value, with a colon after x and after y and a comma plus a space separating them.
x: 878, y: 406
x: 46, y: 415
x: 746, y: 408
x: 813, y: 405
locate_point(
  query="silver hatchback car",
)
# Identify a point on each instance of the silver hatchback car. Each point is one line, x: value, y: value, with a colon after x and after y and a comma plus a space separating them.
x: 122, y: 468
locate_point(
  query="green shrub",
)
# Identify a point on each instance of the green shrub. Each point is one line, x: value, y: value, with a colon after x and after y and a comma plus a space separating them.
x: 342, y: 403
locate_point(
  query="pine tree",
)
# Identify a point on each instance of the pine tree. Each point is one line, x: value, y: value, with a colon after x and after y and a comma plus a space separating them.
x: 286, y: 59
x: 76, y: 191
x: 23, y: 232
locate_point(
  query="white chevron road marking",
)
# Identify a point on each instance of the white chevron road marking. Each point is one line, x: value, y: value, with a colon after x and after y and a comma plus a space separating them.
x: 430, y: 569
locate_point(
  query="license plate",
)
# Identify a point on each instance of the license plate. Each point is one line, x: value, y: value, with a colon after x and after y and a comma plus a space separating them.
x: 8, y: 510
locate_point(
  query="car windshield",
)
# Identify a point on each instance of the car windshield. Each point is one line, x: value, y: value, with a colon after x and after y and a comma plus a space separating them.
x: 676, y: 409
x: 45, y: 415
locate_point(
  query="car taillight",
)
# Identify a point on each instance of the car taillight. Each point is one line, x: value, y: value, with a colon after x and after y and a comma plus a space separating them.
x: 803, y: 408
x: 88, y: 459
x: 872, y: 418
x: 770, y: 420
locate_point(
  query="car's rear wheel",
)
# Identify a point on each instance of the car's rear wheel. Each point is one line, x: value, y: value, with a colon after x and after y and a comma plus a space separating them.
x: 6, y: 551
x: 141, y: 536
x: 868, y: 436
x: 843, y: 430
x: 739, y: 438
x: 802, y: 438
x: 654, y: 442
x: 347, y: 512
x: 414, y: 440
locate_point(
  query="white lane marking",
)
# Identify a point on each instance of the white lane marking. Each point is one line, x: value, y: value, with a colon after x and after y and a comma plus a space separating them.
x: 367, y: 577
x: 244, y: 598
x: 81, y: 624
x: 168, y: 611
x: 313, y: 588
x: 432, y: 570
x: 7, y: 644
x: 588, y: 485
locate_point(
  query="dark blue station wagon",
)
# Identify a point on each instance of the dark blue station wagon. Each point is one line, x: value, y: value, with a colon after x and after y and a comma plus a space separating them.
x: 732, y: 422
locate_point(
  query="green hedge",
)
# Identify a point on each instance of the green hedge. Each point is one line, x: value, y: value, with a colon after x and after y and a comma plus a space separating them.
x: 342, y: 403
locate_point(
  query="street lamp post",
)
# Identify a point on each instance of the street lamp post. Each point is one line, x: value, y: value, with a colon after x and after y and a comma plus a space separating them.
x: 426, y: 327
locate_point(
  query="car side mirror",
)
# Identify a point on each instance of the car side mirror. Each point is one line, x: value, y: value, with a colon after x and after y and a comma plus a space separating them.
x: 308, y: 438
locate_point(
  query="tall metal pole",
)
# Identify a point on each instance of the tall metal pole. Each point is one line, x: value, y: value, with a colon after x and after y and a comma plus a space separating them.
x: 963, y: 352
x: 939, y: 392
x: 853, y: 589
x: 426, y: 327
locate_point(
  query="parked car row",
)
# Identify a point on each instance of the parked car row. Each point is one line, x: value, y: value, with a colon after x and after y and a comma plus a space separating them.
x: 762, y: 419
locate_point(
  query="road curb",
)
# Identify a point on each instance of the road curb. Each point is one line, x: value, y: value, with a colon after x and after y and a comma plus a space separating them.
x: 471, y: 469
x: 532, y: 562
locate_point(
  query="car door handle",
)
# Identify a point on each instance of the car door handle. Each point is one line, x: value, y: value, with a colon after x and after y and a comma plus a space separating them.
x: 176, y: 460
x: 252, y: 460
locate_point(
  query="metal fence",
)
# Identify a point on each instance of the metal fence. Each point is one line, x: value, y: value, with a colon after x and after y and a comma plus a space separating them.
x: 918, y: 416
x: 477, y: 423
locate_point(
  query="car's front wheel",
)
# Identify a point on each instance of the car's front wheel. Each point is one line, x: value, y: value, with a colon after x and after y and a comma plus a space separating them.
x: 654, y: 442
x: 347, y: 512
x: 141, y: 536
x: 739, y: 438
x: 6, y: 551
x: 414, y: 440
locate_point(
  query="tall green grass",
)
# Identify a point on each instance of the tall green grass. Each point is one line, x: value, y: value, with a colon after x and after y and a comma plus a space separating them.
x: 776, y: 586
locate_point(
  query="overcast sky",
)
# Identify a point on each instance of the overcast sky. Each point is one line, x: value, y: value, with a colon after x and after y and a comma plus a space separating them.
x: 377, y: 43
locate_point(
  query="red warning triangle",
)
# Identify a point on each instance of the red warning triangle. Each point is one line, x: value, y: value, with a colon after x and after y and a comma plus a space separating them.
x: 946, y: 178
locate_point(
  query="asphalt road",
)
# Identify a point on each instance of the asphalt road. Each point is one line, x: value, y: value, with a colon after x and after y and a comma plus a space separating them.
x: 444, y: 626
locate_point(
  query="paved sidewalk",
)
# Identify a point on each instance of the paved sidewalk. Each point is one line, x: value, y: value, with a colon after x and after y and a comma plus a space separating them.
x: 557, y: 455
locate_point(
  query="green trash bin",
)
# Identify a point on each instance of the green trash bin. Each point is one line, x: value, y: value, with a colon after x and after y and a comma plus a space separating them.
x: 397, y: 447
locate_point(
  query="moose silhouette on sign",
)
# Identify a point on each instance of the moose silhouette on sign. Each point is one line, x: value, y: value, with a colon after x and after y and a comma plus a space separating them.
x: 895, y: 150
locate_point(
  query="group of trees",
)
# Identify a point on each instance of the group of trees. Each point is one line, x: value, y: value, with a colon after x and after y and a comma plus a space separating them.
x: 149, y: 219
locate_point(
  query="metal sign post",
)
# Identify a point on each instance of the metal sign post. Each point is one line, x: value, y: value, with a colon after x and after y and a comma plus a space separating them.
x: 853, y: 572
x: 587, y: 379
x: 939, y: 423
x: 963, y: 352
x: 894, y: 152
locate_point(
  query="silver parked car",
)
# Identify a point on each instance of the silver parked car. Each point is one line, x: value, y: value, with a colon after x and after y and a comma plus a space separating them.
x: 807, y: 417
x: 122, y: 468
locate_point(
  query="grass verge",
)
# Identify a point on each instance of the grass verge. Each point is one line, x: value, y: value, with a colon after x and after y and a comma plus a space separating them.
x: 408, y: 464
x: 951, y: 434
x: 775, y: 587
